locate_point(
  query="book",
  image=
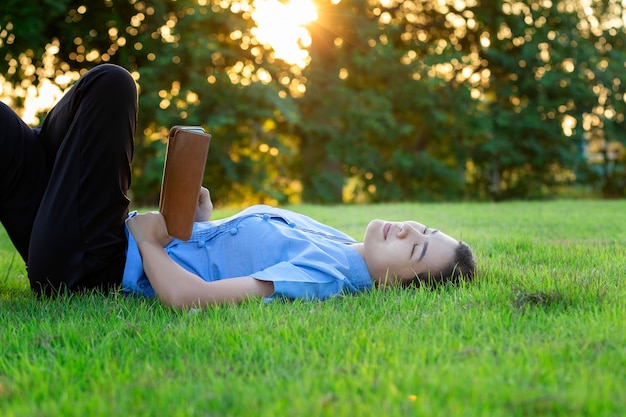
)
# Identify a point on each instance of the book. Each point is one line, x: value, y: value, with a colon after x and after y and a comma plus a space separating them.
x: 183, y: 170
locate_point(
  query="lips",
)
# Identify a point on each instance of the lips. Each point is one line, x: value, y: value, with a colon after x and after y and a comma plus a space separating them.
x: 386, y: 228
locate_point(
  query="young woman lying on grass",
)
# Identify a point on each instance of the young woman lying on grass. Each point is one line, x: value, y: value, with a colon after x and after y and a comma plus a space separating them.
x: 63, y: 202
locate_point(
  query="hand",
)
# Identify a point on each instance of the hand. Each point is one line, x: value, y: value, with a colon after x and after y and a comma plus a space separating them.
x: 149, y: 227
x: 204, y: 208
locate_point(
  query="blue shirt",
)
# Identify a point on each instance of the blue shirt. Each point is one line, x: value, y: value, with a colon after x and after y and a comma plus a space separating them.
x: 304, y: 259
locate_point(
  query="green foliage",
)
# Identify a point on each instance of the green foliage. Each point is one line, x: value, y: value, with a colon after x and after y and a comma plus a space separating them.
x: 544, y: 66
x: 28, y: 25
x: 404, y: 100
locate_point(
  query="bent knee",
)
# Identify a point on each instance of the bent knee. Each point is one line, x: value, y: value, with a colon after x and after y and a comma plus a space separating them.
x: 113, y: 80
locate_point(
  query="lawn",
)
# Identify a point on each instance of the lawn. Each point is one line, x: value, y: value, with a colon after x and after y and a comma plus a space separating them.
x: 541, y: 332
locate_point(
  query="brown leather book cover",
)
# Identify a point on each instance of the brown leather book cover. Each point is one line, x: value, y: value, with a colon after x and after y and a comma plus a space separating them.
x: 185, y: 159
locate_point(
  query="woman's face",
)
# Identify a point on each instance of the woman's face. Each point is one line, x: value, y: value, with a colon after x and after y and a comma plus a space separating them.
x: 397, y: 251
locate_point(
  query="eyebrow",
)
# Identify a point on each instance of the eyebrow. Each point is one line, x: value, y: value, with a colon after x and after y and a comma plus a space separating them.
x: 426, y: 246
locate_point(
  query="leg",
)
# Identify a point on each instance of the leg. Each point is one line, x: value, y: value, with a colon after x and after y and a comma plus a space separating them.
x: 24, y: 172
x: 78, y: 239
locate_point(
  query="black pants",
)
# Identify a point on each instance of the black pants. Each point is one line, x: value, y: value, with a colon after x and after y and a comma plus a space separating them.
x: 64, y: 185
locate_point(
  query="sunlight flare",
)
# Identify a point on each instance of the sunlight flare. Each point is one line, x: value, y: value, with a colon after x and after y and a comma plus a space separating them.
x: 282, y: 26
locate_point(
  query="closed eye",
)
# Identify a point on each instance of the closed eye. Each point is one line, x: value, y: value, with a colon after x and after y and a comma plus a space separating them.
x: 413, y: 250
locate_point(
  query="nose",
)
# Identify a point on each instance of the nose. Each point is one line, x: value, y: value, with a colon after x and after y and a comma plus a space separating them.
x: 408, y: 230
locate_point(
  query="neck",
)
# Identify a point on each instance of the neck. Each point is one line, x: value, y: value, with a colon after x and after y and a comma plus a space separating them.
x: 358, y: 247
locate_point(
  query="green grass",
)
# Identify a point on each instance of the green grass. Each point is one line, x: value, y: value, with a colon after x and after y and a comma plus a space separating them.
x: 542, y: 332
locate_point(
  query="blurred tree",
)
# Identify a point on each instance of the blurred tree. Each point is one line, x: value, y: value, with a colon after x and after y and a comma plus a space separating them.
x: 374, y: 114
x: 548, y: 73
x: 604, y: 126
x: 195, y: 62
x: 212, y: 72
x: 401, y: 100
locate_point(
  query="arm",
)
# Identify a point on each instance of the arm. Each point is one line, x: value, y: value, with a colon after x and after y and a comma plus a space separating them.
x: 177, y: 287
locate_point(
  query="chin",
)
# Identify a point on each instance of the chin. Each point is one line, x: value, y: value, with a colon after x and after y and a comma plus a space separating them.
x: 374, y: 224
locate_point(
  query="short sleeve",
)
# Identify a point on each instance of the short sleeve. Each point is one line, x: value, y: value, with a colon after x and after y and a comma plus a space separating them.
x: 294, y: 282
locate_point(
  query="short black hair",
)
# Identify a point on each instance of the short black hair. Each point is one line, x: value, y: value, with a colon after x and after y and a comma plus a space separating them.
x: 463, y: 266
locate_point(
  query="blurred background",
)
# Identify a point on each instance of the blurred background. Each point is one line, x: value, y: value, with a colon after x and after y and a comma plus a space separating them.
x: 349, y: 101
